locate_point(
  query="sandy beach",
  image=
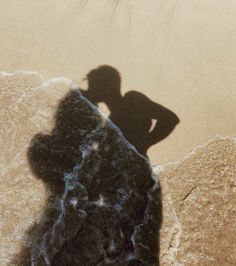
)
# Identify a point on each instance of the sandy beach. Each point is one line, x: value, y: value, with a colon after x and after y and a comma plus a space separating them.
x: 179, y: 54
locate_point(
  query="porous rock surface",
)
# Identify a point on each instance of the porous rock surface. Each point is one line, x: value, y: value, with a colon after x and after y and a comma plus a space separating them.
x: 108, y: 209
x: 198, y: 192
x: 27, y: 106
x: 199, y: 207
x: 101, y: 200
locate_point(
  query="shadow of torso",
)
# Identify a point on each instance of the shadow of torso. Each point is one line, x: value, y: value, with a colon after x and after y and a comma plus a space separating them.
x: 143, y: 122
x: 134, y: 120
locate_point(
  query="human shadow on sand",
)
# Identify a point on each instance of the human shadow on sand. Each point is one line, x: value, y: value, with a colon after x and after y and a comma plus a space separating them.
x: 104, y: 206
x: 134, y: 113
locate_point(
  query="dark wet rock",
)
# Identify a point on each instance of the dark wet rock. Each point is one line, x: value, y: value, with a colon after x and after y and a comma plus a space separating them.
x: 108, y: 210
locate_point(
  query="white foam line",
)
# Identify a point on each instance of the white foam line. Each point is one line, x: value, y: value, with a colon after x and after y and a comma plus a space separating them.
x: 26, y: 72
x: 58, y: 79
x: 45, y: 83
x: 161, y: 168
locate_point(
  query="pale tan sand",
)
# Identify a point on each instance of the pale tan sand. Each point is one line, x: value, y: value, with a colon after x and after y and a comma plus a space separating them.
x: 180, y: 54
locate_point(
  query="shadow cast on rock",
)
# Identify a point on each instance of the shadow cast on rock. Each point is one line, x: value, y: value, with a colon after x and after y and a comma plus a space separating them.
x: 103, y: 205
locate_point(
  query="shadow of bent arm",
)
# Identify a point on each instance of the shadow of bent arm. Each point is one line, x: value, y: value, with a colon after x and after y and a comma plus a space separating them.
x: 166, y: 121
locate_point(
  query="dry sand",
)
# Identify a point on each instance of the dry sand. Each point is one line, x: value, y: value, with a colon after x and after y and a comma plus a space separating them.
x: 180, y: 54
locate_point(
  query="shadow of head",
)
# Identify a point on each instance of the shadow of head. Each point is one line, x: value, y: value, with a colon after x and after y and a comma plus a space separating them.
x: 104, y: 82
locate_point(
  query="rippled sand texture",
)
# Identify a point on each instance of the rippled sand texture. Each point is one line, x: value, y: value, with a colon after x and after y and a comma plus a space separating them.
x: 26, y: 108
x: 199, y: 199
x: 180, y: 54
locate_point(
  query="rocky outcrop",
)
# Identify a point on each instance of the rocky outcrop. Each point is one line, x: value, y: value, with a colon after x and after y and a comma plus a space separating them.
x: 108, y: 211
x: 27, y: 107
x: 102, y: 202
x: 198, y: 192
x: 199, y: 199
